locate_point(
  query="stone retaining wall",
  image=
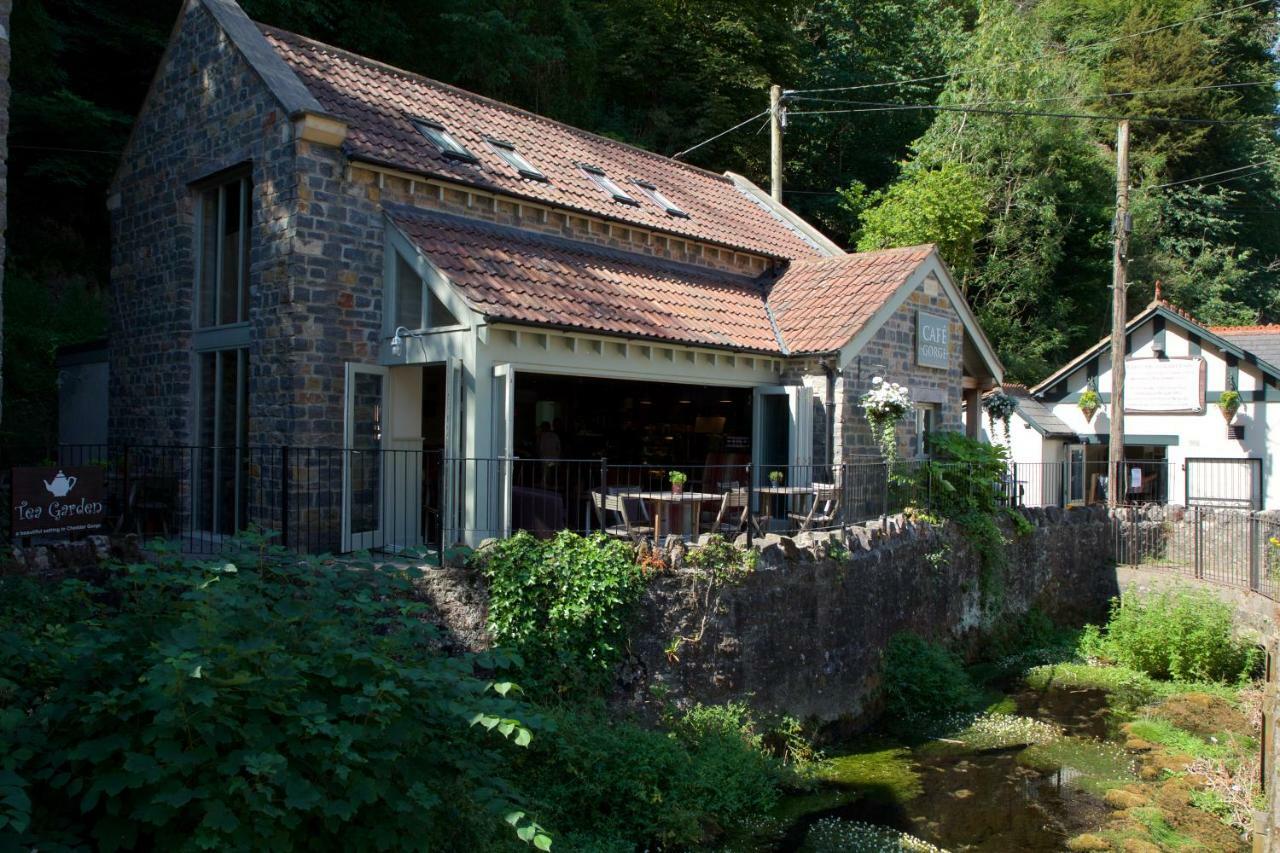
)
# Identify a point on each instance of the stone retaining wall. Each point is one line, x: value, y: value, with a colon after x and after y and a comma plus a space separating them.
x: 805, y: 632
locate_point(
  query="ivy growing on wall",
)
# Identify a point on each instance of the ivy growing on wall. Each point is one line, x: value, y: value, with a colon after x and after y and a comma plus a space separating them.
x: 964, y: 482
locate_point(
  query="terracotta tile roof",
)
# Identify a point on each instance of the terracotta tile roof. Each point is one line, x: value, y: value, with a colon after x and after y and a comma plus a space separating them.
x: 820, y: 304
x: 510, y: 274
x: 377, y: 102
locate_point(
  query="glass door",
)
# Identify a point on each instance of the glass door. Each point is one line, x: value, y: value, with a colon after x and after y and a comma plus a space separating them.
x: 362, y: 470
x: 1076, y: 469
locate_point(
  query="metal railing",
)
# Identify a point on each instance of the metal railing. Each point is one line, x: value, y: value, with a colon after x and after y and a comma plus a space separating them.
x: 342, y: 499
x: 1225, y: 546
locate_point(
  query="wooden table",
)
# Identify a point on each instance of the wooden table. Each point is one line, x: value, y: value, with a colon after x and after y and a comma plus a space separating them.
x: 665, y: 500
x: 786, y: 493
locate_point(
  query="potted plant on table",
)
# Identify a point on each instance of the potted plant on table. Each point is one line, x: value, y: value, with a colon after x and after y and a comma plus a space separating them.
x: 678, y: 479
x: 775, y: 477
x: 1229, y: 403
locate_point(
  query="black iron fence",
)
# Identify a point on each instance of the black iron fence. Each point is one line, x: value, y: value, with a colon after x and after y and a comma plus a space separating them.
x: 344, y: 499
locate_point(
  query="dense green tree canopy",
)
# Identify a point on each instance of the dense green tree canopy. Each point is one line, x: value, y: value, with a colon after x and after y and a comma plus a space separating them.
x: 1022, y: 205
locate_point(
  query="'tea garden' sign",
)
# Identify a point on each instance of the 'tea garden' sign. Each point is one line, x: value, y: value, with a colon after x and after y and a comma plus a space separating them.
x: 58, y: 500
x: 933, y: 340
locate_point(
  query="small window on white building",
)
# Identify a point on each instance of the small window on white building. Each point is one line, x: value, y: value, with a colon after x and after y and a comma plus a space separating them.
x: 416, y: 304
x: 926, y: 423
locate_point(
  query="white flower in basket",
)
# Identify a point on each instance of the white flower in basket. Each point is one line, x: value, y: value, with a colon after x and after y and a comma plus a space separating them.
x: 886, y: 404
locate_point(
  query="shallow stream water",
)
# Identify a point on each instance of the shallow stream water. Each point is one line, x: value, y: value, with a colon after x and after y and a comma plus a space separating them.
x: 961, y: 796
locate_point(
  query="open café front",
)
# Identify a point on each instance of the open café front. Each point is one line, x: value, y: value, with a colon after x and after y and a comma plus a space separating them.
x: 641, y: 458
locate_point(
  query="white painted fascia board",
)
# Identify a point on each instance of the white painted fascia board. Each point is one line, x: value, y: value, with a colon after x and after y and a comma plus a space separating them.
x: 786, y: 215
x: 931, y: 264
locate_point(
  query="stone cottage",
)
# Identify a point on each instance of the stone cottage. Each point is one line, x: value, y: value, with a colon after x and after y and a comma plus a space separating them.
x: 313, y: 249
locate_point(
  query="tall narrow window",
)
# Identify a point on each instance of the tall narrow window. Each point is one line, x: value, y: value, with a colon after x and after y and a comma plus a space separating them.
x: 222, y: 436
x: 926, y: 422
x: 222, y: 272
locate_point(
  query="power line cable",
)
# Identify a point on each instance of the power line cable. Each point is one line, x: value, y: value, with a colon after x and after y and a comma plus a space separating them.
x: 1037, y: 99
x: 880, y: 106
x: 1209, y: 175
x: 708, y: 141
x: 1068, y: 49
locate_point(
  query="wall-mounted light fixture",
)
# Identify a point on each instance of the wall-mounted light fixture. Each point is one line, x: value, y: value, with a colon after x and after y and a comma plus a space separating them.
x: 397, y: 341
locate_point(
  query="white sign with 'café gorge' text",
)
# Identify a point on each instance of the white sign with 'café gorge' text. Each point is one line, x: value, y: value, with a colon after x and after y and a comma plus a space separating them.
x: 1164, y: 385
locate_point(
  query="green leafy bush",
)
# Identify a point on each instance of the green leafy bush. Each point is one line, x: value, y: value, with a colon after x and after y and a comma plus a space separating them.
x: 608, y: 784
x: 1178, y: 634
x: 920, y: 679
x: 964, y: 482
x: 248, y: 705
x: 563, y: 603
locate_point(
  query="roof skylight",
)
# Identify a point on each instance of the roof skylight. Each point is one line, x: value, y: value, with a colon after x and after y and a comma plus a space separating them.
x: 443, y: 140
x: 606, y: 183
x: 516, y: 160
x: 659, y: 199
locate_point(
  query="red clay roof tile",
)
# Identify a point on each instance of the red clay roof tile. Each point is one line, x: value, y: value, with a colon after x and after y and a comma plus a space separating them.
x: 378, y: 102
x: 514, y: 275
x: 821, y: 304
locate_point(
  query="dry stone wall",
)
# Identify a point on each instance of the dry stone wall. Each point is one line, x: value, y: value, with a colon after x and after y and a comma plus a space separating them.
x: 804, y: 633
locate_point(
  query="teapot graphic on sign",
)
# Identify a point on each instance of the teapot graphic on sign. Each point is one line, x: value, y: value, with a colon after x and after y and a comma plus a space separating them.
x: 61, y: 485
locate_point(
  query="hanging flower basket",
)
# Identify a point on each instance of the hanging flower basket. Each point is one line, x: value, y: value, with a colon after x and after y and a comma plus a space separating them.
x: 884, y: 405
x: 1229, y: 403
x: 1000, y: 407
x: 1090, y: 402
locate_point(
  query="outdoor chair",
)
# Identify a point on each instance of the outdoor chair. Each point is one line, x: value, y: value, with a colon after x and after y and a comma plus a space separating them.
x: 733, y: 516
x: 617, y: 504
x: 823, y: 511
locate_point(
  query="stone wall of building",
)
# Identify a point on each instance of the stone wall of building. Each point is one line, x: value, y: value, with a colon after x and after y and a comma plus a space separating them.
x: 891, y: 354
x: 208, y: 111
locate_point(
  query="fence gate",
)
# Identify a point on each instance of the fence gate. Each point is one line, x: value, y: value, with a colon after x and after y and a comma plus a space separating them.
x: 1233, y: 483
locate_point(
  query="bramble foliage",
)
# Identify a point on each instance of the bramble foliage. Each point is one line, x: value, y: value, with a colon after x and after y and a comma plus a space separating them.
x: 1179, y: 634
x: 923, y: 680
x: 613, y: 784
x: 721, y: 561
x: 249, y: 704
x: 562, y: 603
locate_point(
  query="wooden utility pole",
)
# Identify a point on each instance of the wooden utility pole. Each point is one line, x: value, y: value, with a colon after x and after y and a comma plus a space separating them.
x: 775, y: 142
x: 1119, y: 316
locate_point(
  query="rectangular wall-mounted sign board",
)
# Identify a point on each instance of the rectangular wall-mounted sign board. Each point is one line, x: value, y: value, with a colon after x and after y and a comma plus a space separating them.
x: 933, y: 340
x: 1169, y: 386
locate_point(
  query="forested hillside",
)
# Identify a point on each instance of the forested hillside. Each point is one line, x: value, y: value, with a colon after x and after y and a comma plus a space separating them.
x: 965, y: 123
